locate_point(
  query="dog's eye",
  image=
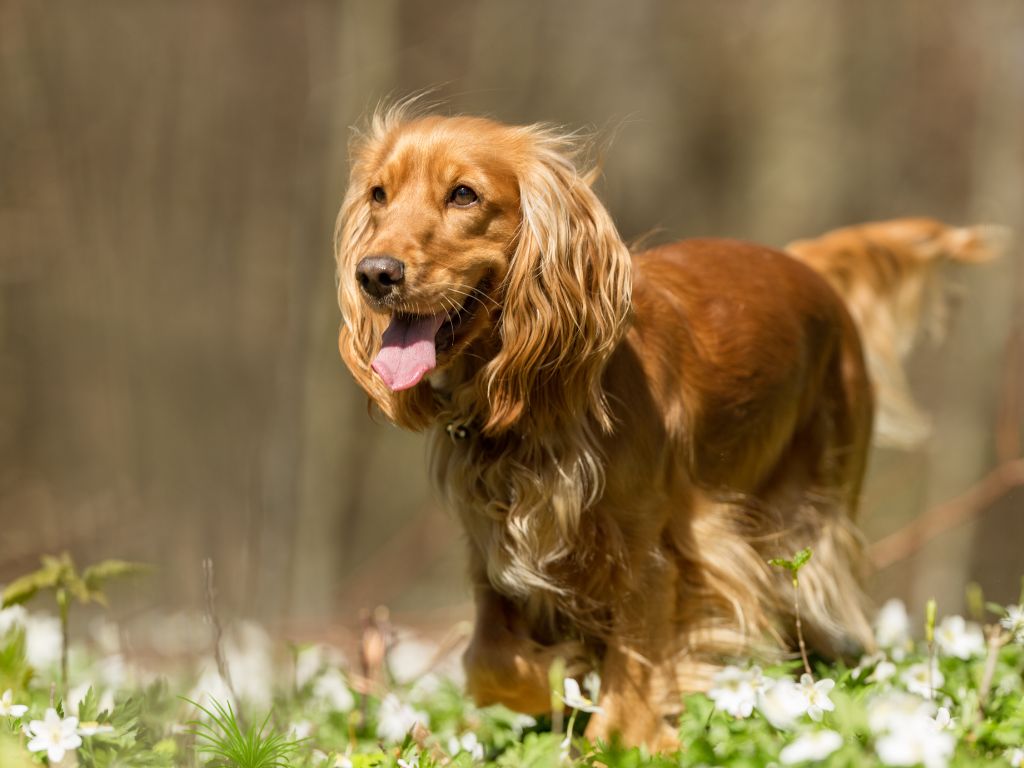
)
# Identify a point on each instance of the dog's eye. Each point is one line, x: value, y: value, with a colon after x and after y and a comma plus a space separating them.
x: 462, y: 196
x: 379, y: 195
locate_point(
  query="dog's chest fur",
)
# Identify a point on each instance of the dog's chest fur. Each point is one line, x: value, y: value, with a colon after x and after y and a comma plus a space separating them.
x: 531, y: 510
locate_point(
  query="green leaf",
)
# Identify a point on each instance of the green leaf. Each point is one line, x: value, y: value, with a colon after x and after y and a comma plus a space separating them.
x: 77, y: 587
x: 167, y: 747
x: 369, y: 760
x: 24, y: 588
x: 96, y: 575
x: 15, y: 671
x: 537, y: 750
x: 58, y: 563
x: 800, y: 558
x: 996, y: 608
x: 88, y: 708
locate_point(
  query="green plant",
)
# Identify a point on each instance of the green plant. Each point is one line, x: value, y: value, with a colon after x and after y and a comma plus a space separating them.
x: 59, y: 574
x: 793, y: 565
x: 233, y: 746
x: 941, y: 702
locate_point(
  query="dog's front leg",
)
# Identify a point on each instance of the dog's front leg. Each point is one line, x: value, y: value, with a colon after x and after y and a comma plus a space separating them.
x: 504, y: 665
x: 638, y: 673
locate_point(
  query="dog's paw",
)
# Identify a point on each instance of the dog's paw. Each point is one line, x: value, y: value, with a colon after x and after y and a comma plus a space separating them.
x: 639, y: 725
x: 516, y: 671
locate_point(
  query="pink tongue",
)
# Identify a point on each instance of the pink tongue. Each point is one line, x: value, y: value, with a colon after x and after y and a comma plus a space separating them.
x: 407, y: 350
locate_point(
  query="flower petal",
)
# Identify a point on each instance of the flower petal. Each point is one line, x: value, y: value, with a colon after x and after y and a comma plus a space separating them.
x: 56, y: 753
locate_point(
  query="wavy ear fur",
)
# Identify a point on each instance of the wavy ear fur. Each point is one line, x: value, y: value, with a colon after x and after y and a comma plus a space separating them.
x: 566, y: 298
x: 361, y: 330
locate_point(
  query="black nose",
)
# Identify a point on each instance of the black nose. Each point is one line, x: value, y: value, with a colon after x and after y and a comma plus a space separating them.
x: 380, y: 275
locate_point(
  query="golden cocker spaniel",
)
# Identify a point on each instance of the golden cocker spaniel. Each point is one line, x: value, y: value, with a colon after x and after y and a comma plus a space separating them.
x: 626, y: 438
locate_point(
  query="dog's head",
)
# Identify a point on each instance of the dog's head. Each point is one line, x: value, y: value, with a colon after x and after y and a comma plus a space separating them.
x: 473, y: 253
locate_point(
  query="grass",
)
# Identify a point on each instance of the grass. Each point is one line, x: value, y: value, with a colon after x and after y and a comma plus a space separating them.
x: 956, y: 701
x: 233, y: 746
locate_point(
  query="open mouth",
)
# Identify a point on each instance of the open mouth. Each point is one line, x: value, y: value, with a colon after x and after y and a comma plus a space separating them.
x: 411, y: 342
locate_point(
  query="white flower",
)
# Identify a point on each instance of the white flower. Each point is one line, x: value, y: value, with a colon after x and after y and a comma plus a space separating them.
x: 908, y: 733
x: 411, y: 658
x: 395, y: 719
x: 592, y: 682
x: 885, y: 670
x: 916, y: 741
x: 735, y: 690
x: 340, y: 761
x: 311, y: 660
x: 106, y: 634
x: 890, y: 711
x: 332, y: 689
x: 249, y: 654
x: 1015, y: 757
x: 866, y: 662
x: 573, y: 697
x: 944, y: 720
x: 1013, y: 622
x: 1008, y: 684
x: 113, y: 671
x: 412, y: 762
x: 781, y: 703
x: 426, y: 688
x: 918, y: 680
x: 816, y: 696
x: 468, y: 743
x: 959, y: 638
x: 308, y: 662
x: 8, y: 707
x: 91, y: 728
x: 300, y: 730
x: 892, y: 626
x: 42, y: 640
x: 12, y: 617
x: 54, y: 735
x: 211, y: 687
x: 811, y: 747
x: 519, y: 723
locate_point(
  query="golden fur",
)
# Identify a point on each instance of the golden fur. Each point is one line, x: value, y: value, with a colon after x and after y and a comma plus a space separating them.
x: 891, y: 275
x: 626, y: 439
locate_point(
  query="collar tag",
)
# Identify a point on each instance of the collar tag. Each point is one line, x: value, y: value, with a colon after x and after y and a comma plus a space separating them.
x: 457, y: 432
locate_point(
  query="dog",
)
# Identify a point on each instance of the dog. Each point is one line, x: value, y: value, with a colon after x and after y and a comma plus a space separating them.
x: 626, y: 438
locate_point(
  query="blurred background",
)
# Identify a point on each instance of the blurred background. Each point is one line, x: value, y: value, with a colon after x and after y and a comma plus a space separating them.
x: 170, y: 387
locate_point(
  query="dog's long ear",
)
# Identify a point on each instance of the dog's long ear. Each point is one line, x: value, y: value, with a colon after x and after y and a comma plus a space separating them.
x: 361, y: 330
x: 566, y: 298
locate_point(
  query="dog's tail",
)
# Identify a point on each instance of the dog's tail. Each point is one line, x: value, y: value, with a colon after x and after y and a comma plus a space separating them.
x: 890, y: 275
